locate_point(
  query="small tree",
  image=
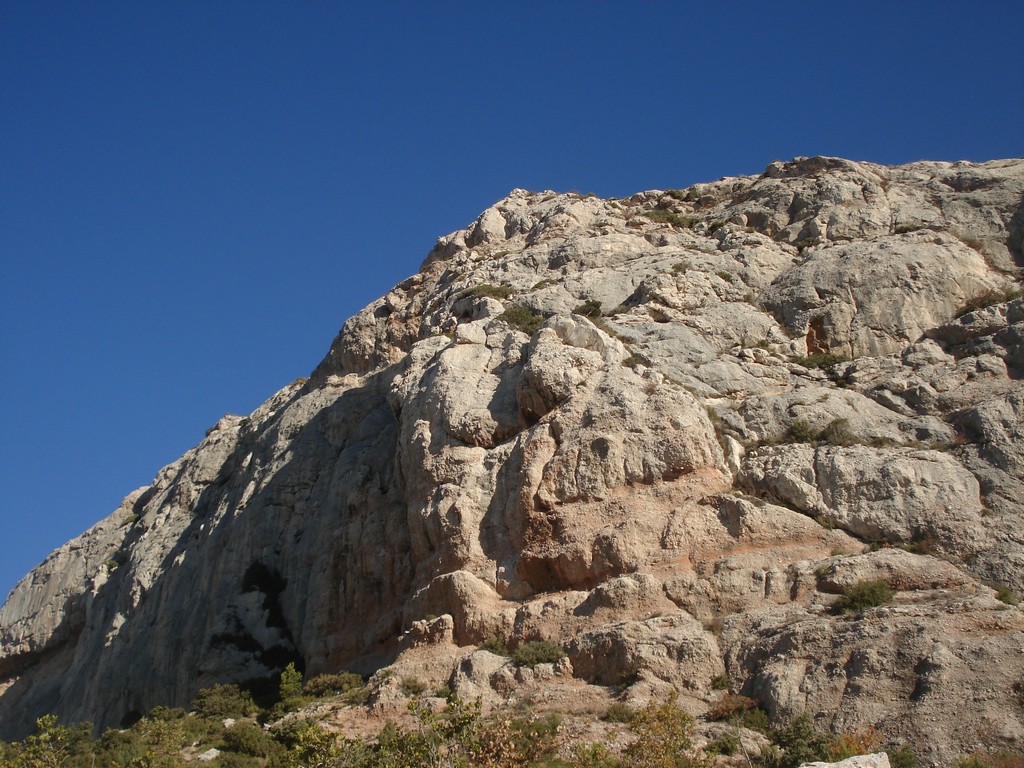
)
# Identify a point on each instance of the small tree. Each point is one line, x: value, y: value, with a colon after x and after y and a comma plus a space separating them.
x: 47, y: 748
x: 290, y: 689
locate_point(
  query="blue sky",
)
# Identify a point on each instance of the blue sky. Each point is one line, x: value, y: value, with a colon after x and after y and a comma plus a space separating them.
x: 194, y: 196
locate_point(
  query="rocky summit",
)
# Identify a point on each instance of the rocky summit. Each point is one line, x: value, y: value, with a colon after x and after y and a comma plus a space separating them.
x: 761, y: 437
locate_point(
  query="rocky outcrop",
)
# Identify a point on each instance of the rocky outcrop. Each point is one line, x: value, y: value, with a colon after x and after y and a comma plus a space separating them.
x: 666, y: 432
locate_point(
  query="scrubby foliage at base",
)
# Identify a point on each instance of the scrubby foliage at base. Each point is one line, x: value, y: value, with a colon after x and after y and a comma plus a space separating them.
x: 455, y: 735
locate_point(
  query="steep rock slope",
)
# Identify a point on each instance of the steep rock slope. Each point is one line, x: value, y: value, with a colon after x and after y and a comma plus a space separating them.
x: 785, y: 396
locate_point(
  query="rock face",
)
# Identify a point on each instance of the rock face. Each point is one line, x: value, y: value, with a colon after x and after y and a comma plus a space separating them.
x: 802, y: 380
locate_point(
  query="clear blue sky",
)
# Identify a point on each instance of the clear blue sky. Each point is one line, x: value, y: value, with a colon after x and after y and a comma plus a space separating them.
x: 195, y: 195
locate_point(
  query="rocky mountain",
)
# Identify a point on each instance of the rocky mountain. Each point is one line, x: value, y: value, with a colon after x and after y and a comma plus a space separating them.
x: 682, y: 434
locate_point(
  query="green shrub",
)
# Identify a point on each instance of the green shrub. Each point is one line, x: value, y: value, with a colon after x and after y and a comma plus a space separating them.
x: 726, y: 744
x: 721, y: 682
x: 357, y: 696
x: 495, y: 645
x: 594, y: 756
x: 801, y: 431
x: 619, y: 712
x: 1002, y: 758
x: 332, y: 685
x: 903, y: 229
x: 822, y: 360
x: 727, y: 276
x: 800, y: 742
x: 1005, y: 594
x: 838, y: 432
x: 663, y: 738
x: 537, y: 652
x: 413, y: 686
x: 589, y: 308
x: 634, y: 360
x: 869, y: 593
x: 232, y: 760
x: 222, y: 701
x: 489, y: 291
x: 522, y: 318
x: 250, y: 739
x: 661, y: 216
x: 903, y: 757
x: 167, y: 713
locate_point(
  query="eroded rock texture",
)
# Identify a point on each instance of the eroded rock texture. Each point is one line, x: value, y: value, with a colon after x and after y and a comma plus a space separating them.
x: 674, y: 491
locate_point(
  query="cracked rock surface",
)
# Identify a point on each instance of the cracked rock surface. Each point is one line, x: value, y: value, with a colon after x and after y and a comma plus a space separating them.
x: 793, y: 383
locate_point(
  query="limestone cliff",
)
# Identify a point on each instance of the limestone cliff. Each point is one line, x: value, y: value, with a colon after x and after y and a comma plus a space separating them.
x: 796, y: 381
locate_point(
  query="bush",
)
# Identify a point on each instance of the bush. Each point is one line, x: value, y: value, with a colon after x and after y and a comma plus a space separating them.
x: 721, y: 682
x: 233, y: 760
x: 662, y: 738
x: 903, y: 757
x: 594, y: 756
x: 859, y: 742
x: 589, y: 308
x: 619, y: 712
x: 489, y: 291
x: 522, y: 318
x: 413, y: 686
x: 333, y: 685
x: 869, y: 593
x: 634, y: 361
x: 726, y: 744
x: 729, y: 706
x: 801, y: 431
x: 1002, y: 758
x: 537, y: 652
x: 838, y: 432
x: 443, y: 691
x: 801, y: 743
x: 823, y: 360
x: 250, y: 739
x: 1004, y: 593
x: 740, y: 710
x: 222, y: 701
x: 495, y: 645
